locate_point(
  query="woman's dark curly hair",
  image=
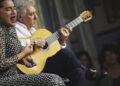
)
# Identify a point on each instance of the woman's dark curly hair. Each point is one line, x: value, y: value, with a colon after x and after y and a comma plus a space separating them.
x: 1, y: 2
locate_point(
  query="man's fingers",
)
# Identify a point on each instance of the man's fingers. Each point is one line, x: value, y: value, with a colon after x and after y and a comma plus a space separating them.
x: 40, y: 42
x: 70, y: 29
x: 65, y: 30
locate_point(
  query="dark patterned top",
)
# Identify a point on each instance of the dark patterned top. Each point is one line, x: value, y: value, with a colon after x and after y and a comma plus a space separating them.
x: 9, y: 48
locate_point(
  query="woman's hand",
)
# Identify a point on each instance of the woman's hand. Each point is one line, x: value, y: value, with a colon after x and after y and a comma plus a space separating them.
x: 25, y: 52
x: 28, y: 50
x: 28, y: 61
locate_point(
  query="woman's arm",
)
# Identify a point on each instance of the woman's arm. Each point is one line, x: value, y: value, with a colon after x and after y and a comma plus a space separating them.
x: 25, y: 52
x: 5, y: 63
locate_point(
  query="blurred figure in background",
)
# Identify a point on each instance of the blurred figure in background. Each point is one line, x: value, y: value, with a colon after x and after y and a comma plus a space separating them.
x: 66, y: 64
x: 109, y: 61
x: 85, y: 59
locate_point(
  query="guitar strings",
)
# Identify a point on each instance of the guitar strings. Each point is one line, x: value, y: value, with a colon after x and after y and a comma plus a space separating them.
x: 56, y: 34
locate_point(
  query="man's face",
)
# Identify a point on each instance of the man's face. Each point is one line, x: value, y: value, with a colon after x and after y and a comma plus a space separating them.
x: 7, y: 13
x: 29, y: 19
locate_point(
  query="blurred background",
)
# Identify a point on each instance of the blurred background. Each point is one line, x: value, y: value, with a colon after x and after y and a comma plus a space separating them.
x: 90, y: 36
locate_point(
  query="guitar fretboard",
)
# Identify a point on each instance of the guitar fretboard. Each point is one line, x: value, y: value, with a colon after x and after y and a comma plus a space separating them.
x: 74, y: 23
x: 55, y: 36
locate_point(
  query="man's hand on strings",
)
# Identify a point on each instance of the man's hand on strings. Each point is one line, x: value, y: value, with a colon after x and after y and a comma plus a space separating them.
x: 64, y: 34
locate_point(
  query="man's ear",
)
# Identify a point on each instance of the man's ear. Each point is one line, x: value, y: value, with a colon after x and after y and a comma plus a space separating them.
x: 19, y: 18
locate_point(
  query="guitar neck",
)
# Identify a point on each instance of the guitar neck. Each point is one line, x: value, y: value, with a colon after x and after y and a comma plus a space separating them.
x: 56, y: 35
x: 74, y: 23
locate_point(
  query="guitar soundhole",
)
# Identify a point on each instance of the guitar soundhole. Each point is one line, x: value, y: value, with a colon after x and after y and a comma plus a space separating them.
x: 46, y: 46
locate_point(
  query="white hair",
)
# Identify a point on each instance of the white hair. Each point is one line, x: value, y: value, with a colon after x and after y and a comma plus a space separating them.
x: 21, y: 6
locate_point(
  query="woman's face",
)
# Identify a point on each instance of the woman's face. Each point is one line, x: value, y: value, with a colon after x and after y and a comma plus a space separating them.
x: 7, y: 13
x: 110, y: 57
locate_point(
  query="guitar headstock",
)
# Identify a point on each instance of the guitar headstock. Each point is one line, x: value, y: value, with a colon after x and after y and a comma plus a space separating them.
x: 86, y: 16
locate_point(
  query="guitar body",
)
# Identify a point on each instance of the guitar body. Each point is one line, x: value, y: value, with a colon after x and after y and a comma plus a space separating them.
x: 40, y: 56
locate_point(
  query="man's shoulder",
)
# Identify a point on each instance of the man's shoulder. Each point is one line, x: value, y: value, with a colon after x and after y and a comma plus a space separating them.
x: 19, y: 25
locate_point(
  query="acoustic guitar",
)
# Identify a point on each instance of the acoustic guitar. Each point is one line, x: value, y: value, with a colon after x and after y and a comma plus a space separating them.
x: 41, y: 55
